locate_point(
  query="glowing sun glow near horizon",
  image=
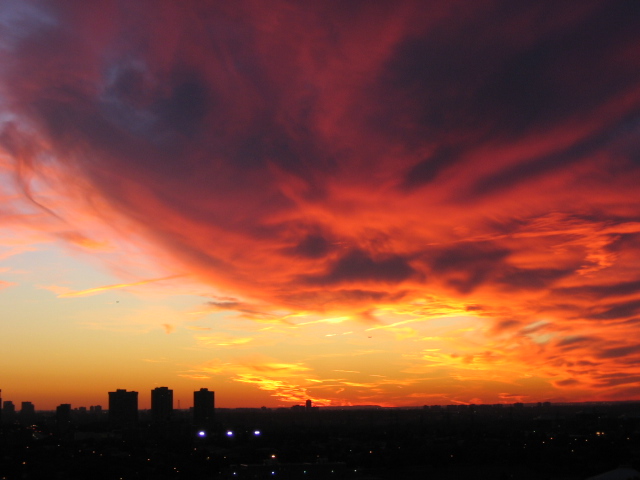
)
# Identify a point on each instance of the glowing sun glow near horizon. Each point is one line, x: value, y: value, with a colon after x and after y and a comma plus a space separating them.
x: 392, y: 203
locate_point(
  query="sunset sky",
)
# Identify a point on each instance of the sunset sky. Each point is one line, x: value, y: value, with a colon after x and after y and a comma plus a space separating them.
x: 353, y: 202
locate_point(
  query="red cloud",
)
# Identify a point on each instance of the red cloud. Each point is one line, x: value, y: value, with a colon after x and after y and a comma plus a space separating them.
x: 358, y: 159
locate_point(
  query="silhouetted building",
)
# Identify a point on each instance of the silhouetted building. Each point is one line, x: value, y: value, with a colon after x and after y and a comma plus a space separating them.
x: 307, y: 407
x: 203, y: 407
x: 123, y: 409
x: 8, y: 411
x: 27, y: 412
x: 161, y: 404
x: 63, y: 415
x: 0, y: 406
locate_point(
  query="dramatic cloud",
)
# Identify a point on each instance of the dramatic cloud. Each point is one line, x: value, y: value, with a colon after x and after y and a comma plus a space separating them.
x: 390, y: 163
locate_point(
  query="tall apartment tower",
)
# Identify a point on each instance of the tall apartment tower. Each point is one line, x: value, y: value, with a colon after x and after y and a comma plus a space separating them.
x: 63, y: 416
x: 123, y: 409
x: 161, y: 404
x: 27, y: 413
x: 203, y: 407
x: 8, y: 411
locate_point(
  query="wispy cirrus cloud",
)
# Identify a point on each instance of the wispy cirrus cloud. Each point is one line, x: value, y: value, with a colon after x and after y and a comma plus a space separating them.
x: 96, y: 290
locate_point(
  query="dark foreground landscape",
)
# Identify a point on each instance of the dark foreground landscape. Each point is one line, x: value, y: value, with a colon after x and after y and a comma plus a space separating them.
x: 451, y: 442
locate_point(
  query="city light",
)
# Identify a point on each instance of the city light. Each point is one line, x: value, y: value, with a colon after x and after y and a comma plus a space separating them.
x: 229, y: 433
x: 202, y: 434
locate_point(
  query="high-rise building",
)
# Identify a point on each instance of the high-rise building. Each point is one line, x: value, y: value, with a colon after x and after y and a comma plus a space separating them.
x: 0, y: 406
x: 161, y: 404
x: 27, y: 412
x: 8, y: 411
x: 123, y: 409
x: 203, y: 407
x: 63, y: 415
x: 27, y: 408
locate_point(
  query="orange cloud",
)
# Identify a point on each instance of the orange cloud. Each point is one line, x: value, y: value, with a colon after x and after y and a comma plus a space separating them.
x: 4, y: 284
x: 168, y: 328
x: 223, y: 340
x: 332, y: 175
